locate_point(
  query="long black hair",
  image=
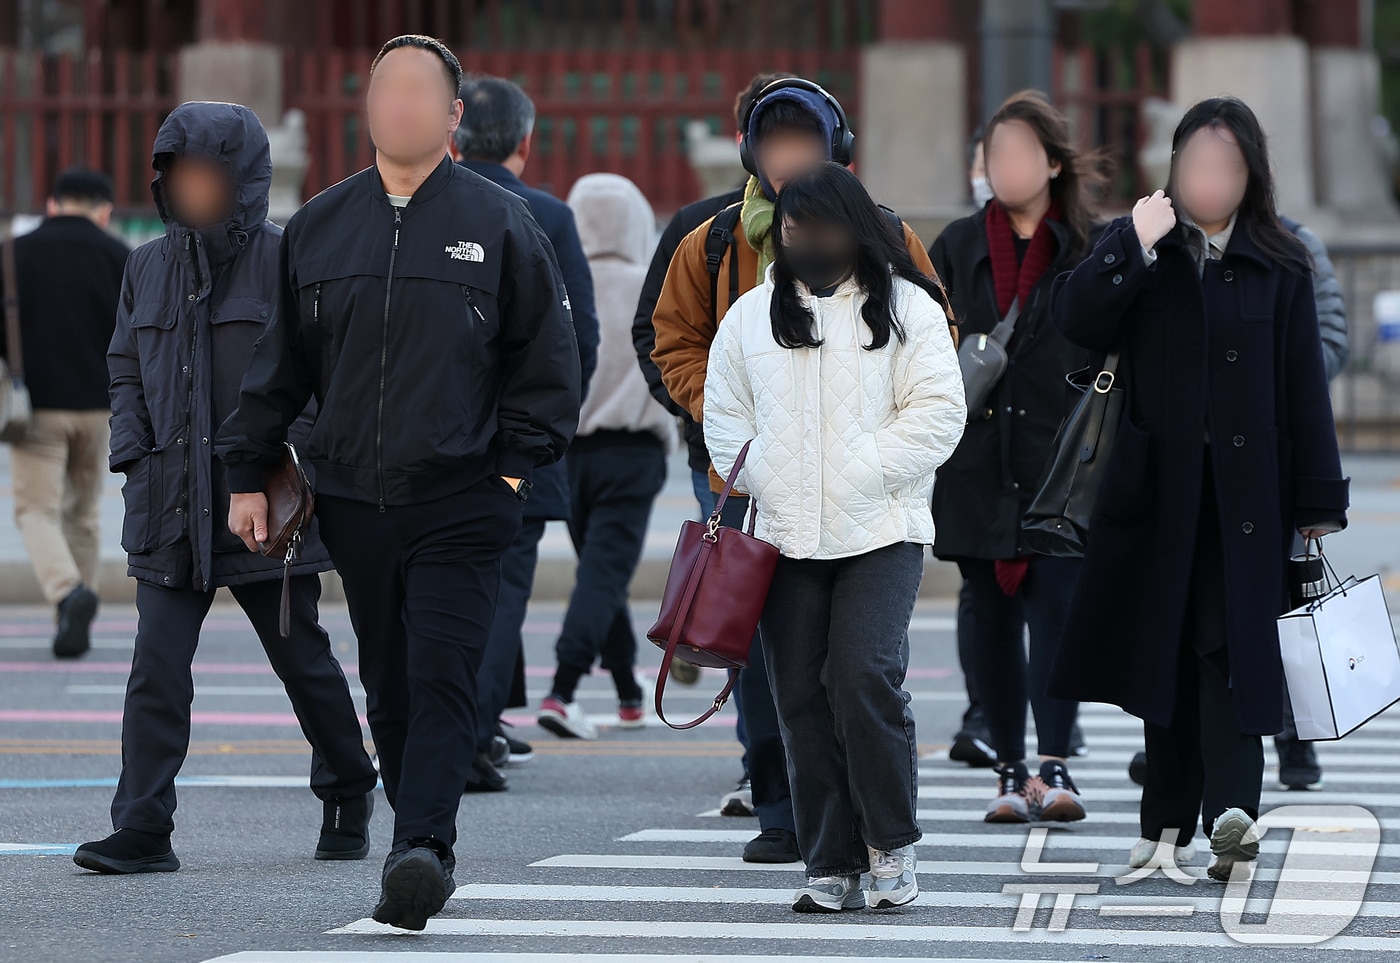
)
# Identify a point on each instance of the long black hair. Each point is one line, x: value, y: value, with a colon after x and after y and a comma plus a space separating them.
x: 833, y: 195
x: 1258, y: 212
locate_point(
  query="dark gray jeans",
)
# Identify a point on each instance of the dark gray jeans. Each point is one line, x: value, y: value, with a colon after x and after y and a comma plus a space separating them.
x: 836, y: 638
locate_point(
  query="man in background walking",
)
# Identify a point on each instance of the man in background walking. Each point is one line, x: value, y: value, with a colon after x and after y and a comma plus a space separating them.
x: 69, y: 276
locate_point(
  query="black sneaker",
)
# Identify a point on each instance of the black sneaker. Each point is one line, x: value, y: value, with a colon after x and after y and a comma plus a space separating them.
x: 75, y: 615
x: 128, y: 851
x: 1298, y: 767
x: 345, y: 827
x: 416, y: 883
x: 1012, y: 804
x: 1059, y: 800
x: 1137, y: 769
x: 484, y: 777
x: 972, y: 743
x: 773, y: 846
x: 521, y: 751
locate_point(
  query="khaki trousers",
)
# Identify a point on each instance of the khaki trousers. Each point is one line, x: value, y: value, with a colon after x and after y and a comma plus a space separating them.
x: 57, y: 473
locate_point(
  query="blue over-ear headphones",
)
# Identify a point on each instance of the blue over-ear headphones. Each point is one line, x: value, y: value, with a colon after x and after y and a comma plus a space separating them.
x: 842, y: 140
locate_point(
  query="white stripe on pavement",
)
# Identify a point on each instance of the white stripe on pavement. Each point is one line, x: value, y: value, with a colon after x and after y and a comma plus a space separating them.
x: 1090, y: 775
x: 428, y: 956
x: 993, y: 899
x: 887, y: 933
x: 1133, y: 794
x: 927, y: 868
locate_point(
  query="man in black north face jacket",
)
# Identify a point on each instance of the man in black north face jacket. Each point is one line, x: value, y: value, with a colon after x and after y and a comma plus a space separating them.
x: 422, y: 307
x: 193, y: 303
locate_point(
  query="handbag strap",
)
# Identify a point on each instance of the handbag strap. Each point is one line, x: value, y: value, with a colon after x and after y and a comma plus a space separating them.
x: 1006, y: 327
x: 14, y: 350
x: 729, y: 487
x: 692, y: 583
x: 1102, y: 385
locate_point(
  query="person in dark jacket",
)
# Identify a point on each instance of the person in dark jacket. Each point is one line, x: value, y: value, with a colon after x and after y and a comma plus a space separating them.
x: 1227, y: 447
x: 68, y: 275
x: 494, y: 141
x: 422, y: 306
x: 1008, y: 253
x: 739, y: 801
x: 193, y: 303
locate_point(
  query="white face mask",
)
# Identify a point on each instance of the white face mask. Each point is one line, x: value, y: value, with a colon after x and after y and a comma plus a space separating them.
x: 981, y: 191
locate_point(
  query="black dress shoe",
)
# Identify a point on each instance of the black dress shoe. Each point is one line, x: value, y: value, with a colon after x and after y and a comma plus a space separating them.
x: 128, y: 851
x: 484, y: 777
x: 773, y: 846
x: 345, y: 827
x: 75, y: 615
x: 1137, y: 768
x: 415, y: 887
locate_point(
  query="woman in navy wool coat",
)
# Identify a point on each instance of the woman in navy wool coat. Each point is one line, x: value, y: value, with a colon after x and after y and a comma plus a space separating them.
x: 1228, y: 445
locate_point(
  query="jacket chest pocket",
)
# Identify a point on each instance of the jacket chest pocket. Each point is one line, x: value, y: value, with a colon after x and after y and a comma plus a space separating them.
x: 482, y: 314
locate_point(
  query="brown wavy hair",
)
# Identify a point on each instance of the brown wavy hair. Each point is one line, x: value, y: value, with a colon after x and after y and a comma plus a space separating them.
x: 1083, y: 175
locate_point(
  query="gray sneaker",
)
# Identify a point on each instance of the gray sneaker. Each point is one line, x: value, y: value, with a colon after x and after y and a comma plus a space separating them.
x: 1234, y: 839
x: 892, y: 878
x: 828, y: 894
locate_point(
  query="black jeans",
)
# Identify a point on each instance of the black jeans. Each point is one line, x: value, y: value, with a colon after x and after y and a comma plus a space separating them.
x: 421, y: 584
x: 156, y: 719
x: 765, y: 758
x: 998, y: 653
x: 1201, y: 765
x: 496, y: 679
x: 836, y: 634
x: 614, y: 477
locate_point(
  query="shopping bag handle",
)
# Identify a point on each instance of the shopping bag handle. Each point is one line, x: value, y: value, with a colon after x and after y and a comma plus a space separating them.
x: 1337, y: 583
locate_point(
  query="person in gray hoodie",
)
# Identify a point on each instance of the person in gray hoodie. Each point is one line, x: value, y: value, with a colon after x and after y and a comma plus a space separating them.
x: 617, y: 464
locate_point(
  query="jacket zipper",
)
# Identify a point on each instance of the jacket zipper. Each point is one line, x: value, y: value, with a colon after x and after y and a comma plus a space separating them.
x: 471, y: 303
x: 384, y: 360
x: 192, y: 248
x: 316, y: 304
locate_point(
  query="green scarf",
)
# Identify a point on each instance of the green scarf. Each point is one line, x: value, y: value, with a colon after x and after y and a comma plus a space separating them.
x: 757, y: 218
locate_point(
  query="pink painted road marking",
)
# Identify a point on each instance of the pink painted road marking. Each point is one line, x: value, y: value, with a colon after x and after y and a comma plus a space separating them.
x: 209, y: 668
x: 198, y: 718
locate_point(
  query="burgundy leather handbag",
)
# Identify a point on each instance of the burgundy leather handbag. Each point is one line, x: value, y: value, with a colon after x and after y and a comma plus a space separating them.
x: 714, y: 595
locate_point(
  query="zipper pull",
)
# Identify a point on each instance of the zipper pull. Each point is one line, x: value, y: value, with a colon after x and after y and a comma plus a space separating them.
x: 471, y: 302
x: 398, y: 219
x: 316, y: 304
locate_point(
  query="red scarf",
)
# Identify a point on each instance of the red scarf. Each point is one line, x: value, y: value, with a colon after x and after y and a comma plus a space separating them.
x: 1010, y: 279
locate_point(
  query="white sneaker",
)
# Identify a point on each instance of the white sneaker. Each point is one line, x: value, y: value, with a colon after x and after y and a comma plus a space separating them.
x: 828, y: 894
x: 1235, y: 839
x: 1144, y: 849
x: 565, y: 719
x: 740, y: 801
x: 892, y: 878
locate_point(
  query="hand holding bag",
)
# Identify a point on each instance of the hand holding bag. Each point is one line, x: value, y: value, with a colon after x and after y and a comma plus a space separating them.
x: 16, y: 408
x: 1340, y: 658
x: 1057, y: 522
x: 983, y: 360
x: 714, y: 596
x: 291, y: 505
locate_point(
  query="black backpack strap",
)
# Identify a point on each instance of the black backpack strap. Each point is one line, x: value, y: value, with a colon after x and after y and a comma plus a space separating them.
x: 720, y: 239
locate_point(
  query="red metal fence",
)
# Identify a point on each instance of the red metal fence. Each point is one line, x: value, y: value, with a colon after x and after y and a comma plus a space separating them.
x: 613, y: 110
x: 99, y: 110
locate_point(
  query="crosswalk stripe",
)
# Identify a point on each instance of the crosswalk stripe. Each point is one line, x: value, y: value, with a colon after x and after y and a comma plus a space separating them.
x: 883, y: 932
x: 986, y: 899
x: 430, y: 956
x: 927, y: 868
x: 1118, y: 761
x: 1133, y: 794
x: 1096, y: 816
x: 1090, y: 774
x: 1063, y: 839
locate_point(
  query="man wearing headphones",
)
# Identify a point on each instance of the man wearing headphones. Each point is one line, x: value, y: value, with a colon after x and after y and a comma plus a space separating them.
x: 792, y: 127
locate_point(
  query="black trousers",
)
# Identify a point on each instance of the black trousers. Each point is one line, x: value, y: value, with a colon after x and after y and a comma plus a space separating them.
x: 1005, y: 679
x: 1201, y: 764
x: 612, y: 485
x: 421, y: 584
x: 764, y: 754
x: 156, y: 719
x: 503, y: 658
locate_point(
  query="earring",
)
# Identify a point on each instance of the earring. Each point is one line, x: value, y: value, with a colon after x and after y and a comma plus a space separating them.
x: 1054, y: 174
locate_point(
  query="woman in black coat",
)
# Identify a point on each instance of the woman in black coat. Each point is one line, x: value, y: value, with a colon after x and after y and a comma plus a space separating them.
x: 1228, y: 445
x: 1009, y: 252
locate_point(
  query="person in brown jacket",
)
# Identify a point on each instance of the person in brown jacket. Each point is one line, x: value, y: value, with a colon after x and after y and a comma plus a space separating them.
x: 794, y: 126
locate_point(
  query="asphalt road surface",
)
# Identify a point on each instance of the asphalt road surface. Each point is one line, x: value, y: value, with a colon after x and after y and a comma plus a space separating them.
x: 614, y: 850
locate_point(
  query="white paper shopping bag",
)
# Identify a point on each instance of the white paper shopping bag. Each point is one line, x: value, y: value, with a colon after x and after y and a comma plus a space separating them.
x: 1340, y: 659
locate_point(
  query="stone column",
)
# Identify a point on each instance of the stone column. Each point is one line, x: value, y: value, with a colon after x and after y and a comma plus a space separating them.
x: 231, y: 59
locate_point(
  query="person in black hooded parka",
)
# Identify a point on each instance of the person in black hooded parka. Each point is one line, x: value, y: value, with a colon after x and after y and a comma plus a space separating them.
x: 1227, y: 446
x: 193, y: 303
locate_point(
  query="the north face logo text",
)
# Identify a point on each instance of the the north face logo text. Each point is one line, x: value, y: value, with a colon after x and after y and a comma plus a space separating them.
x: 465, y: 251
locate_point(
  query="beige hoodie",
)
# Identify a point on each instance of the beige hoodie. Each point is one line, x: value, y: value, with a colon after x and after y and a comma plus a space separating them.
x: 618, y: 228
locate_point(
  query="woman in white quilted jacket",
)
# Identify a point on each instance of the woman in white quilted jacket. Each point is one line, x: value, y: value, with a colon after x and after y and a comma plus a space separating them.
x: 842, y: 370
